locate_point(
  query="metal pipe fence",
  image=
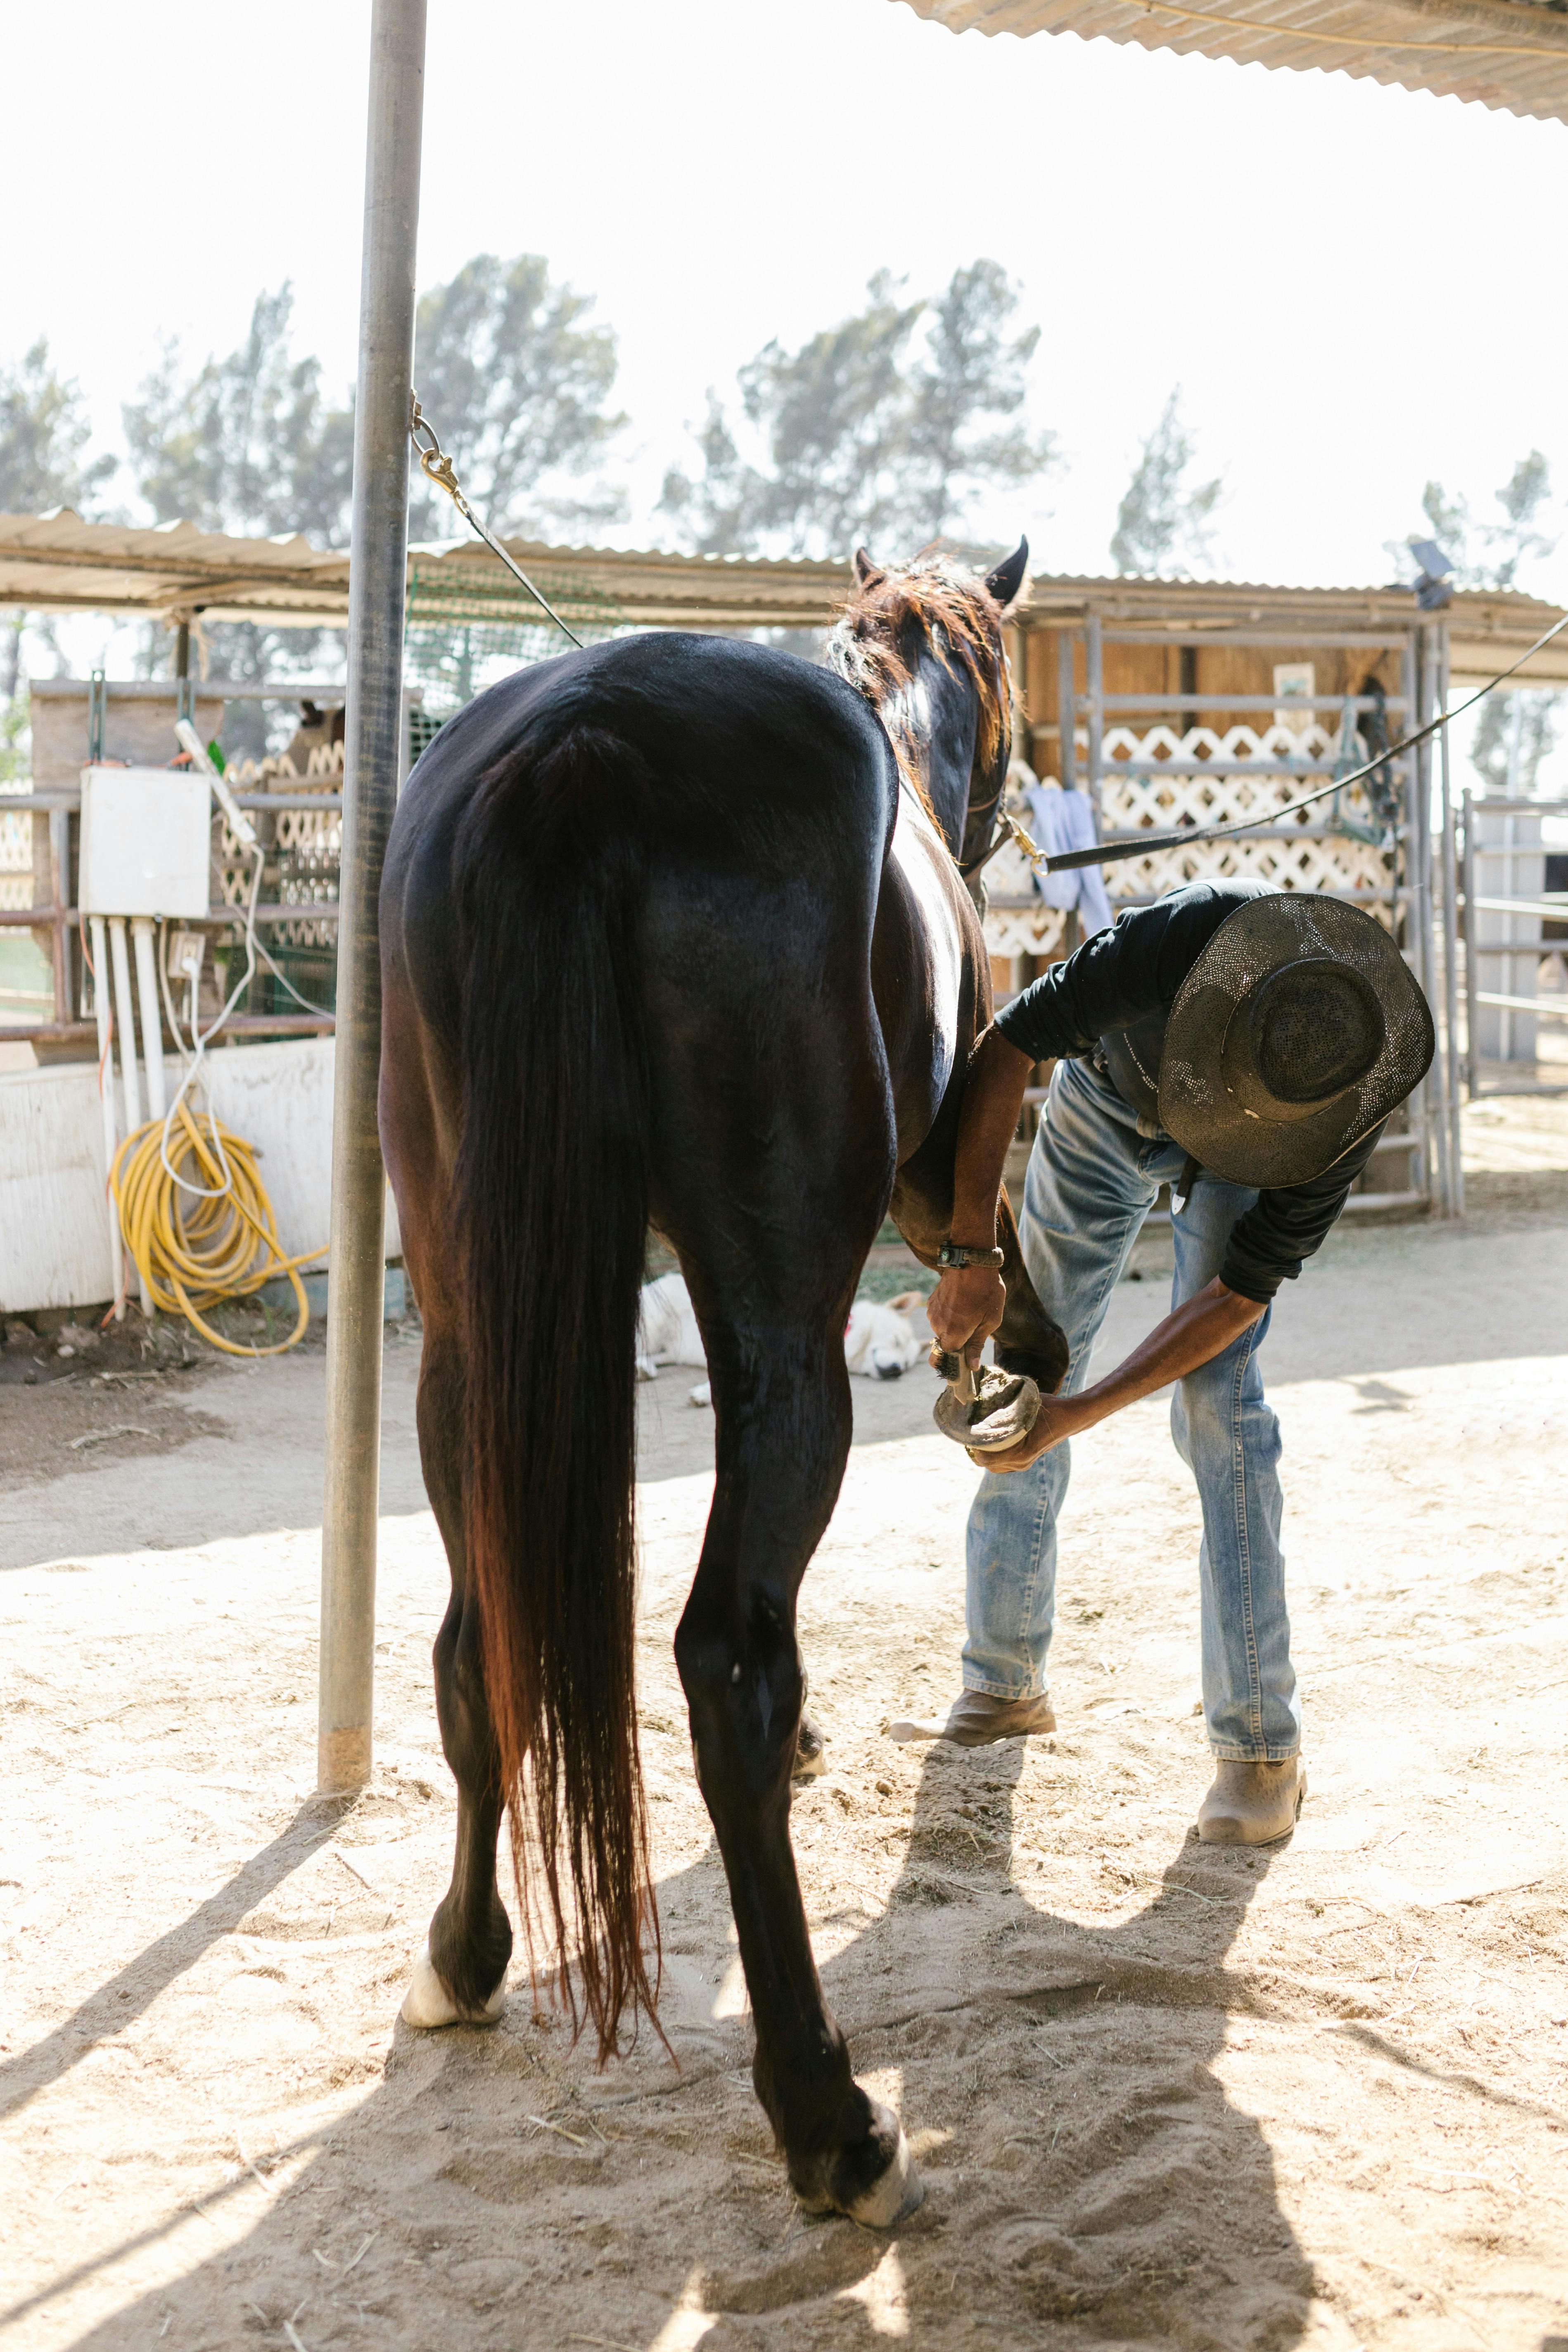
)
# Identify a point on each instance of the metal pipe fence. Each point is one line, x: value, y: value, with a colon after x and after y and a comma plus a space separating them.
x: 1545, y: 906
x: 62, y: 921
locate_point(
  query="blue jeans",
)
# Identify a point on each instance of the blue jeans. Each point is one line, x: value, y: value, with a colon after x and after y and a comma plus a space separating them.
x: 1093, y: 1177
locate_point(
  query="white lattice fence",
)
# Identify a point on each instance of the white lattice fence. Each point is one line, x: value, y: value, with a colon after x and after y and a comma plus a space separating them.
x: 1159, y: 780
x: 16, y: 859
x: 1146, y: 782
x: 307, y: 845
x: 1029, y: 927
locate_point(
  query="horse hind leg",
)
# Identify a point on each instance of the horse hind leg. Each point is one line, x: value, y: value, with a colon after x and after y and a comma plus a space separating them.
x: 459, y: 1976
x: 783, y: 1433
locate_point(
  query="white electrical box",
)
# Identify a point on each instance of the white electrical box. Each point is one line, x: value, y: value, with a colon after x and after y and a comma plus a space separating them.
x: 146, y: 841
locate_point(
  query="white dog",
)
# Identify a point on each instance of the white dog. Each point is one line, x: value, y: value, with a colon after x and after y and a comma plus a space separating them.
x: 667, y: 1326
x: 878, y: 1343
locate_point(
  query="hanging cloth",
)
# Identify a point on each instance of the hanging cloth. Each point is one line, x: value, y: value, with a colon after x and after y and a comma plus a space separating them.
x: 1062, y: 820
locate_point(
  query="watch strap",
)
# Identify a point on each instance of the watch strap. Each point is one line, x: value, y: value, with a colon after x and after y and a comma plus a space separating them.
x: 953, y: 1254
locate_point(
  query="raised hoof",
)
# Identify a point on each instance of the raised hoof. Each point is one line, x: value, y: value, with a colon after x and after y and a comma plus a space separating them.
x: 896, y: 2191
x: 810, y: 1752
x: 427, y: 2005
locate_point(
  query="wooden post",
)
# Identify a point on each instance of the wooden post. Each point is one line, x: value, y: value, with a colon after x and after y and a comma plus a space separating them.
x: 1094, y: 695
x: 1066, y: 713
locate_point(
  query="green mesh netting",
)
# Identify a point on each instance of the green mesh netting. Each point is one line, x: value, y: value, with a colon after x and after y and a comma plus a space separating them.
x: 466, y: 626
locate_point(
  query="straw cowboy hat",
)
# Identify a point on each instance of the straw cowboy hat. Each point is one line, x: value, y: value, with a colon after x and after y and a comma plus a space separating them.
x: 1297, y: 1031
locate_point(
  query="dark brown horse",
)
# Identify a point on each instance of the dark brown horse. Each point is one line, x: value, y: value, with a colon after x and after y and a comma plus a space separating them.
x: 673, y: 933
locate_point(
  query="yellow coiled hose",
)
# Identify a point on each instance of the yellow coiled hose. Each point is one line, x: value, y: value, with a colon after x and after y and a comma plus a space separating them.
x: 191, y: 1249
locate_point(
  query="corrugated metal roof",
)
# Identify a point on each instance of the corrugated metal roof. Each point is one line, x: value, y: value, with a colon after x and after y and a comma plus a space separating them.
x: 647, y: 588
x: 57, y: 562
x: 1508, y: 53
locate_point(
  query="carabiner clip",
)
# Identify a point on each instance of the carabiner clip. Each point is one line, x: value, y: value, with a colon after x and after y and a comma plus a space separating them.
x: 434, y: 462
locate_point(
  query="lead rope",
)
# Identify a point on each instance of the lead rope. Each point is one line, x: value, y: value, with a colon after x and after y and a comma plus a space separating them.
x: 1144, y: 845
x: 436, y: 467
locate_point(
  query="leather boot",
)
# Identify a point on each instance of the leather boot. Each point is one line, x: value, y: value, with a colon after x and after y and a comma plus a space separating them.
x: 1252, y: 1804
x: 976, y: 1720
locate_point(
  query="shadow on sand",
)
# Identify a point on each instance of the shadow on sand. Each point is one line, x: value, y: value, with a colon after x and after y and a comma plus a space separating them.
x: 1089, y: 2180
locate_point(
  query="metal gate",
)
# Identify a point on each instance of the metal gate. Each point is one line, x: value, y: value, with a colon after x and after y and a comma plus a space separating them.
x: 1200, y: 753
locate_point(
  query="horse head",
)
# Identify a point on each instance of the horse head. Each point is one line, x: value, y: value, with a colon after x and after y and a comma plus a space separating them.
x: 923, y: 643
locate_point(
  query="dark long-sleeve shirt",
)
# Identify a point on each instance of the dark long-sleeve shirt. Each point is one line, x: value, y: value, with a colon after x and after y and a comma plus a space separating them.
x: 1133, y: 970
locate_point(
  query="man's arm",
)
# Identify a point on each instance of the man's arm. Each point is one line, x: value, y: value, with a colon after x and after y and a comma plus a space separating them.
x: 1115, y: 978
x: 1199, y: 1330
x: 967, y: 1303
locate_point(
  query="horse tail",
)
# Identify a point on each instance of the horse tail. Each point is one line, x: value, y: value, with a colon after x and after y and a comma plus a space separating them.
x: 551, y: 1212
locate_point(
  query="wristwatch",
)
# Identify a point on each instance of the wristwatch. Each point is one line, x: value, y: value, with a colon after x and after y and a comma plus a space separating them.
x: 953, y: 1254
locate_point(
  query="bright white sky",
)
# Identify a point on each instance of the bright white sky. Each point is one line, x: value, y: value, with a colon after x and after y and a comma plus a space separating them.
x: 1353, y: 285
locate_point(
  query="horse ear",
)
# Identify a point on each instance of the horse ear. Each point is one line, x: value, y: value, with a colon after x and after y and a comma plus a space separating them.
x: 867, y: 573
x: 1008, y: 578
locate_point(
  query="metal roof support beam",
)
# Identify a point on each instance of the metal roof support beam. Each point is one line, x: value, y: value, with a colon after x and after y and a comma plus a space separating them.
x: 373, y: 752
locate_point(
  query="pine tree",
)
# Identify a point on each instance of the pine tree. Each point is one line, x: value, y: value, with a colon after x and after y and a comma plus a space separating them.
x: 1488, y: 553
x: 517, y: 381
x: 885, y: 428
x: 1162, y: 525
x: 247, y: 444
x: 44, y: 439
x: 1516, y: 731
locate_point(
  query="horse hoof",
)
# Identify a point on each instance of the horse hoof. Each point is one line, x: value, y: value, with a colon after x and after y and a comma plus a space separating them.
x: 899, y: 2190
x: 427, y: 2005
x: 810, y: 1752
x: 895, y: 2191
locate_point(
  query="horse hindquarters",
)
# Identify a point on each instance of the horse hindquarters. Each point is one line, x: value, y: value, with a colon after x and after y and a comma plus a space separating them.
x: 772, y: 1166
x: 538, y: 1262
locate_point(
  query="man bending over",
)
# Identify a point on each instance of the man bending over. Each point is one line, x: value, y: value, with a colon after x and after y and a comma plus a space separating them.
x: 1244, y: 1046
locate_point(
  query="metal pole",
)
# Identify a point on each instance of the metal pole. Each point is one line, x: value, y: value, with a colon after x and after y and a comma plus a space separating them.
x: 105, y: 1020
x: 1435, y: 1086
x: 147, y: 1005
x: 1472, y: 982
x: 125, y: 1023
x: 1406, y: 889
x: 1450, y: 945
x: 59, y: 936
x: 372, y: 748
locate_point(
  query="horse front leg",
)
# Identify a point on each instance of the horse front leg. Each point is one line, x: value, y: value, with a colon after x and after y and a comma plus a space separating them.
x: 783, y: 1429
x: 1030, y: 1340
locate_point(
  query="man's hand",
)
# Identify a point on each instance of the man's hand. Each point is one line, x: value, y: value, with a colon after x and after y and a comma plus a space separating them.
x: 1058, y: 1417
x: 965, y: 1308
x: 1190, y: 1337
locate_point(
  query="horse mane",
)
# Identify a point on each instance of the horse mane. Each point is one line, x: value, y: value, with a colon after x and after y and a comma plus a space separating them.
x: 953, y: 613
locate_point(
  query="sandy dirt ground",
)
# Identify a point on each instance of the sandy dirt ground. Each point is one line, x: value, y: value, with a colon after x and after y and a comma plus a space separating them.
x: 1161, y: 2095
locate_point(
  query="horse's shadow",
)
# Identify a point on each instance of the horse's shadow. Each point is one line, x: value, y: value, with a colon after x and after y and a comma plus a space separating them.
x: 1093, y: 2172
x: 1089, y: 2179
